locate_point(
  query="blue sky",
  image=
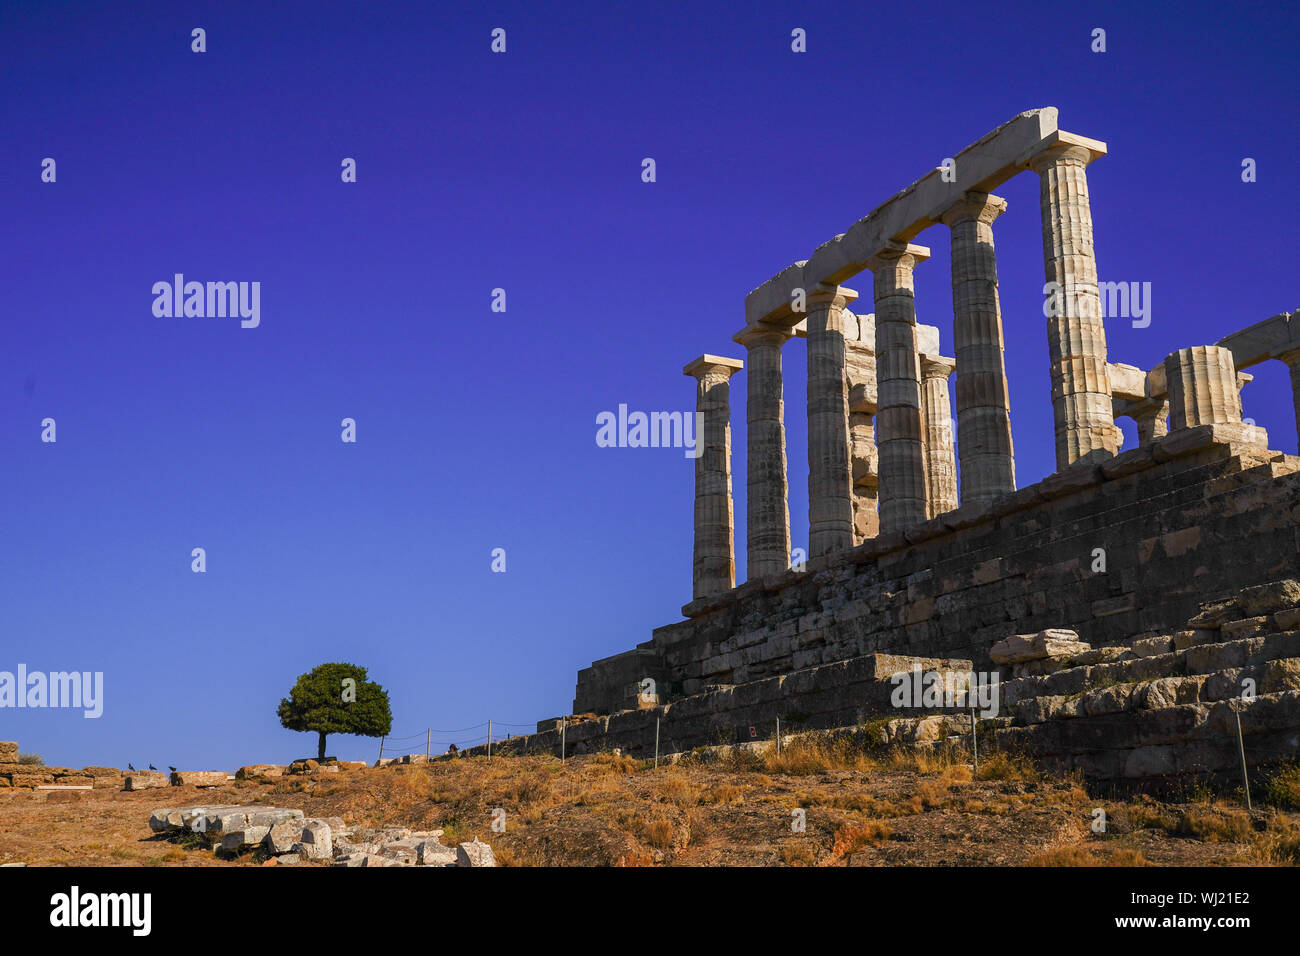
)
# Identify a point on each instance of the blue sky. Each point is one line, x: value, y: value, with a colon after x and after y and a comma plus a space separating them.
x: 475, y: 429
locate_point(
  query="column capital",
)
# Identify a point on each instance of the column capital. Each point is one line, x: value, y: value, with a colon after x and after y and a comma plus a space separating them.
x: 713, y: 364
x: 937, y: 366
x: 895, y: 255
x: 763, y: 333
x: 974, y: 205
x: 833, y: 296
x: 1062, y: 154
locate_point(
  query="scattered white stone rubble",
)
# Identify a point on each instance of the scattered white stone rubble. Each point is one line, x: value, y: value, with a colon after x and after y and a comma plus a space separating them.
x: 290, y: 837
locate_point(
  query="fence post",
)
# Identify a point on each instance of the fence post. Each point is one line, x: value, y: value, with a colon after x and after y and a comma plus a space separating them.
x: 974, y: 742
x: 381, y: 749
x: 428, y: 740
x: 656, y: 743
x: 778, y: 736
x: 489, y: 738
x: 564, y: 725
x: 1241, y: 746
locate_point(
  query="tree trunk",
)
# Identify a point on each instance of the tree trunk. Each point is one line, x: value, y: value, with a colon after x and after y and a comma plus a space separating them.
x: 320, y: 754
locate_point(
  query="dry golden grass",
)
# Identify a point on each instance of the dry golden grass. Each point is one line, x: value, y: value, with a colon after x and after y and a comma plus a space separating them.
x: 797, y: 852
x: 677, y: 791
x: 816, y: 754
x: 1216, y: 824
x: 1005, y: 765
x: 1282, y: 787
x: 863, y: 803
x: 661, y: 834
x: 854, y: 836
x: 1074, y: 854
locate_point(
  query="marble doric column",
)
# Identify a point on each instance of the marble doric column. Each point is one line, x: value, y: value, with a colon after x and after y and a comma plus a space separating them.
x: 862, y: 429
x: 988, y: 467
x: 767, y: 509
x: 1202, y: 384
x: 715, y: 556
x: 936, y: 413
x: 899, y: 439
x: 830, y: 481
x: 1081, y: 399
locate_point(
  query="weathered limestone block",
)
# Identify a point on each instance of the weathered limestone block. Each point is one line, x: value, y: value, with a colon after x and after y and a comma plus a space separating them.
x: 1054, y: 642
x: 8, y: 751
x: 1152, y: 761
x: 1247, y: 627
x: 198, y: 778
x: 316, y: 843
x: 1170, y: 692
x: 283, y: 836
x: 1149, y: 646
x: 232, y: 841
x: 1267, y: 598
x: 475, y: 853
x: 144, y: 780
x: 434, y: 853
x: 254, y: 771
x: 74, y: 780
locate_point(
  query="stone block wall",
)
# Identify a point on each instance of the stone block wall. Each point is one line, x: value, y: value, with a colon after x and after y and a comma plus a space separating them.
x: 1188, y: 516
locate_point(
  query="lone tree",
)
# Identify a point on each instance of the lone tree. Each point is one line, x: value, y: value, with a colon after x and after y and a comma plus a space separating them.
x: 336, y: 699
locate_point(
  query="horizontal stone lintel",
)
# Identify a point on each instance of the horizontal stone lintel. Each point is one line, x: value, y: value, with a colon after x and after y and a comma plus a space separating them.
x: 982, y: 166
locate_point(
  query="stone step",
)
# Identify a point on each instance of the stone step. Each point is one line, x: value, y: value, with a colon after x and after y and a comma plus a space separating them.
x: 1142, y: 745
x: 1269, y: 677
x: 1202, y: 658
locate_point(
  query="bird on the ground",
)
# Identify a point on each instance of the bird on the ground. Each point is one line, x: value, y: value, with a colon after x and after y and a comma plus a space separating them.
x: 129, y: 767
x: 172, y: 769
x: 152, y: 767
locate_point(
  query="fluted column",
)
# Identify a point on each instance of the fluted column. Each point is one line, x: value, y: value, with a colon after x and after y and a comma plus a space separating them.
x: 1081, y: 399
x: 899, y: 441
x: 988, y: 467
x: 767, y: 509
x: 936, y: 413
x: 715, y: 557
x: 1202, y: 387
x: 830, y: 483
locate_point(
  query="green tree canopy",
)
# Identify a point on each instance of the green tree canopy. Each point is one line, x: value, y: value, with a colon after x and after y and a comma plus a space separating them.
x: 336, y: 699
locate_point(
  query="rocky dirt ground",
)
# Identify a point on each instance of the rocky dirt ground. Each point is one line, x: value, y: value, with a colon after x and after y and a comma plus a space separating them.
x: 860, y: 809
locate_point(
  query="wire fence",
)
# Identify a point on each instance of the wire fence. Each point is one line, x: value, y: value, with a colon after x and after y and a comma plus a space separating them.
x: 432, y: 742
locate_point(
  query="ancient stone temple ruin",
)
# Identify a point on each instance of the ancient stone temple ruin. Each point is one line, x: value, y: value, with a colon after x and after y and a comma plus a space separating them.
x: 1135, y: 603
